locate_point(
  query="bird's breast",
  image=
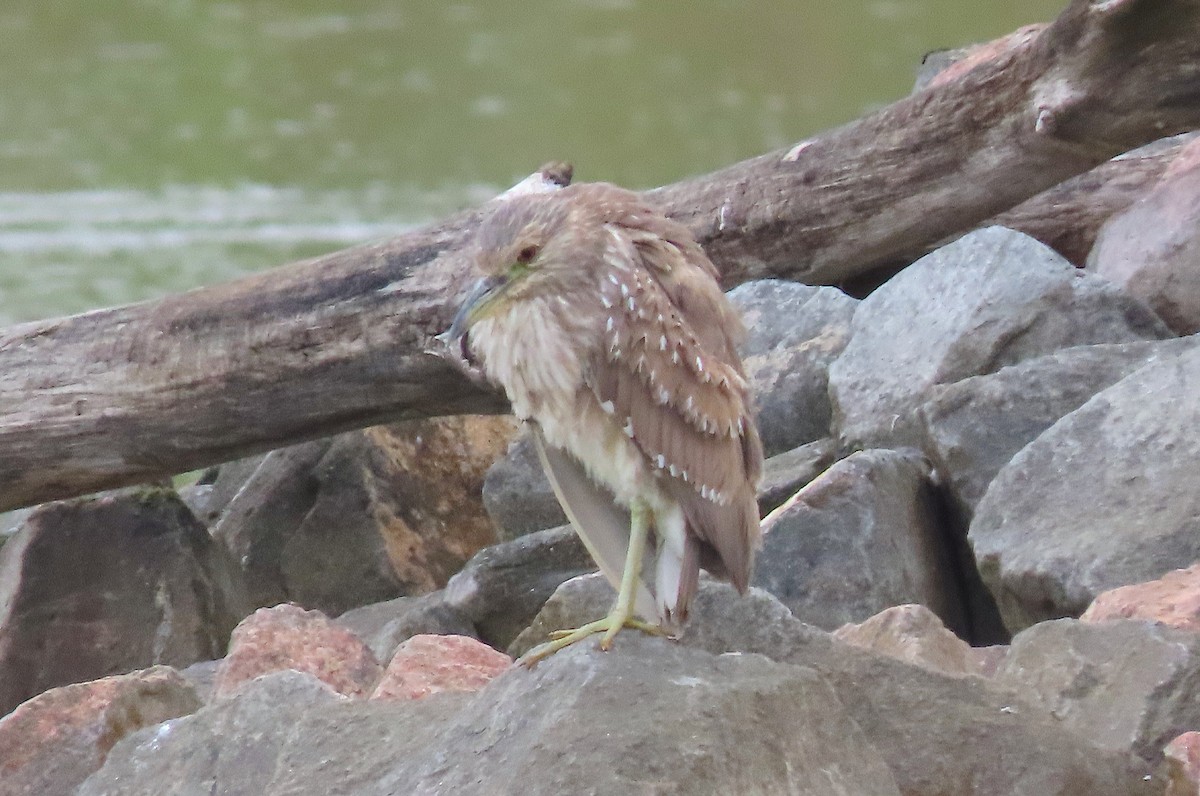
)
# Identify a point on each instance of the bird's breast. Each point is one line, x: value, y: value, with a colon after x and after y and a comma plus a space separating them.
x: 539, y: 361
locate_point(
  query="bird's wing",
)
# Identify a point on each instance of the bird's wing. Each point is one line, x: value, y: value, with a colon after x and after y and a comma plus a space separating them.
x: 668, y: 369
x: 602, y: 526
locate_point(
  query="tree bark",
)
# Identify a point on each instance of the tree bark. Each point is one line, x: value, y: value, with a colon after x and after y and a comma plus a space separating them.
x: 1068, y: 217
x: 122, y: 395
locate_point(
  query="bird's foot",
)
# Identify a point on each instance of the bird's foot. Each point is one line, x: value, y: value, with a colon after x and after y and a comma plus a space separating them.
x: 609, y: 626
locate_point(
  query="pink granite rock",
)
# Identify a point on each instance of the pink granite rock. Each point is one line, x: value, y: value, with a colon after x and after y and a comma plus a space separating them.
x: 1183, y: 765
x: 1173, y: 599
x: 289, y: 637
x: 427, y: 664
x: 54, y: 741
x: 1152, y: 249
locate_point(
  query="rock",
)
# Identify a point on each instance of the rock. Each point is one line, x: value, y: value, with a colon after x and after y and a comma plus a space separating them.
x: 737, y: 724
x: 53, y: 742
x: 866, y: 536
x: 966, y: 735
x: 504, y: 586
x: 1152, y: 248
x: 226, y: 480
x: 267, y: 500
x: 1106, y: 497
x: 427, y: 481
x: 928, y: 726
x: 992, y: 298
x: 795, y: 331
x: 427, y: 664
x: 574, y: 603
x: 109, y: 584
x: 975, y: 426
x: 914, y: 634
x: 1123, y: 685
x: 720, y: 621
x: 517, y: 495
x: 202, y: 677
x: 787, y: 473
x: 782, y: 314
x: 579, y: 723
x: 284, y: 733
x: 651, y: 715
x: 368, y: 621
x: 1183, y: 765
x: 289, y: 637
x: 1172, y: 600
x: 11, y: 522
x: 396, y: 621
x: 365, y: 516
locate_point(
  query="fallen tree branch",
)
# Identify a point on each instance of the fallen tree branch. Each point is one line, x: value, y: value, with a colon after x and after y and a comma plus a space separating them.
x: 121, y: 395
x: 1068, y: 217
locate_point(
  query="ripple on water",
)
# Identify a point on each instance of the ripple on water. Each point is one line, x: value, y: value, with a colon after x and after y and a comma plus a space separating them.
x: 67, y: 252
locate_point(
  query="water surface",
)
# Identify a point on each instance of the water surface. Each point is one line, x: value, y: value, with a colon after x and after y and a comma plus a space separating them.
x: 149, y: 146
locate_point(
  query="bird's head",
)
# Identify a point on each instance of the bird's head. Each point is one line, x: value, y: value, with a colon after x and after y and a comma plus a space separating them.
x: 519, y: 251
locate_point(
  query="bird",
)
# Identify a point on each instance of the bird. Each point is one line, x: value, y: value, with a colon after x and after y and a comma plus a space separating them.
x: 604, y: 323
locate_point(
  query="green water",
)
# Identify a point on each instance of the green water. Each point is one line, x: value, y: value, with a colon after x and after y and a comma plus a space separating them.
x: 148, y: 147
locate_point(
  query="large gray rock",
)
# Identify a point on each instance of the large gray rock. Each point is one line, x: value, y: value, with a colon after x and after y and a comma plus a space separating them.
x: 965, y: 735
x: 651, y: 715
x: 1106, y: 497
x: 503, y: 587
x: 939, y: 734
x: 1126, y: 685
x: 658, y: 717
x: 1152, y: 248
x: 787, y: 473
x: 284, y: 733
x: 108, y: 584
x: 385, y: 626
x: 517, y: 495
x: 364, y: 516
x: 795, y: 332
x: 867, y: 536
x: 256, y: 508
x: 580, y: 723
x: 993, y: 298
x: 975, y: 426
x: 720, y: 620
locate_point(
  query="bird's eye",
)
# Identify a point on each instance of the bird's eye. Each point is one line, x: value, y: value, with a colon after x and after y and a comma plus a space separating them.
x: 526, y: 255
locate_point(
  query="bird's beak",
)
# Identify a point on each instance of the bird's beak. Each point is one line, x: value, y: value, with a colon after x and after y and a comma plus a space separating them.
x: 481, y: 295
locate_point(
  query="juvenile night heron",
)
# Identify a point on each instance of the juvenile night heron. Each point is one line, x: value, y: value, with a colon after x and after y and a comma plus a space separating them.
x: 603, y: 322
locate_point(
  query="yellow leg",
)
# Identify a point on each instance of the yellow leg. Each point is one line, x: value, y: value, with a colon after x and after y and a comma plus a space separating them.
x: 621, y: 614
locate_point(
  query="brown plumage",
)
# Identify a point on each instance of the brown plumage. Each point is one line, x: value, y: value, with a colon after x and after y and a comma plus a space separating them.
x: 604, y: 323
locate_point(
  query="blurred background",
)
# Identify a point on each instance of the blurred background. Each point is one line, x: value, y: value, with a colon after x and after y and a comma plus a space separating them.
x: 150, y: 146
